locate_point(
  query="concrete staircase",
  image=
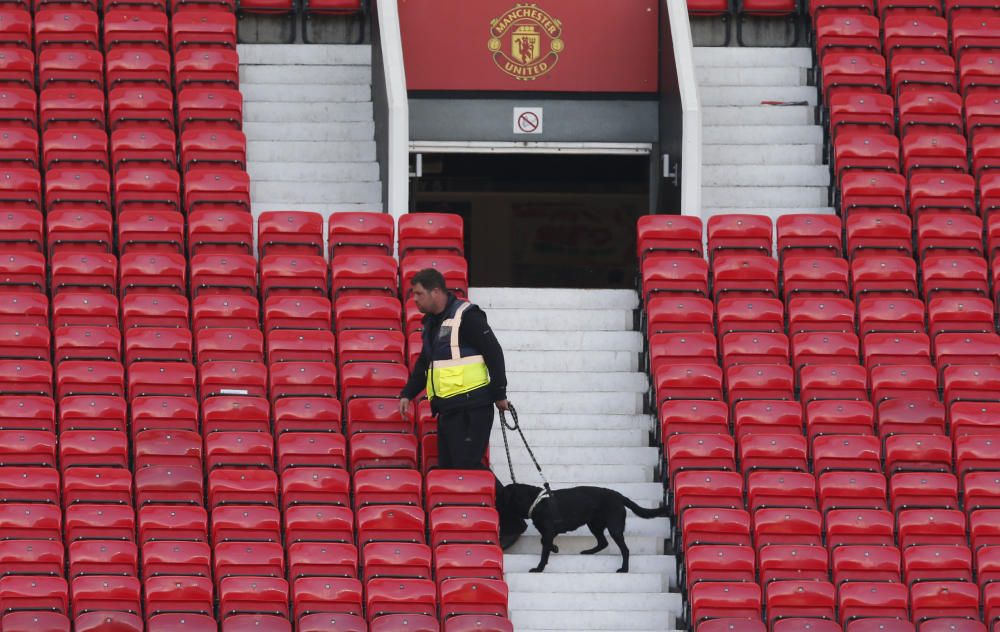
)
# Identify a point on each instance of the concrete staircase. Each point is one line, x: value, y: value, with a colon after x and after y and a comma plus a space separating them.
x: 572, y: 368
x: 308, y: 119
x: 763, y: 159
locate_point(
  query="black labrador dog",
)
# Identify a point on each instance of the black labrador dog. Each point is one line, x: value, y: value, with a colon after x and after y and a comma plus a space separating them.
x: 570, y: 509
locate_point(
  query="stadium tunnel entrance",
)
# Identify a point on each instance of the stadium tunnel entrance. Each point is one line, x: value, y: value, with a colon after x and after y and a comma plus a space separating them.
x: 540, y: 220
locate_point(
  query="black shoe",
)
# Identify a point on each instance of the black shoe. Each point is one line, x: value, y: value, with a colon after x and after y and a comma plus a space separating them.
x: 510, y: 532
x: 508, y: 540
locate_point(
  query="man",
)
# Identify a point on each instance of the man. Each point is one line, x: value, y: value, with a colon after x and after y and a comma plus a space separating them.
x: 461, y: 366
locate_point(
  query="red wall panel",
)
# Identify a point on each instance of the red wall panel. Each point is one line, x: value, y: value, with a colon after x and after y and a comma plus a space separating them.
x: 549, y: 45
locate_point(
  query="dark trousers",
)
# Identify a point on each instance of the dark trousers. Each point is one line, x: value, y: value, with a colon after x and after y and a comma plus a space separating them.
x: 463, y: 436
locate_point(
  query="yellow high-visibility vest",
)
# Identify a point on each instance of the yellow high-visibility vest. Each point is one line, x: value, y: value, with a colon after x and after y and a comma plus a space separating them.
x: 454, y: 370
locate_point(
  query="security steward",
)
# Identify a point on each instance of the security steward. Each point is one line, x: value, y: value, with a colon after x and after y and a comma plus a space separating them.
x: 461, y: 366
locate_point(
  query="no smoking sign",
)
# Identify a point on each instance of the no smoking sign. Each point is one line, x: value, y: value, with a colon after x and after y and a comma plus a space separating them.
x: 527, y: 120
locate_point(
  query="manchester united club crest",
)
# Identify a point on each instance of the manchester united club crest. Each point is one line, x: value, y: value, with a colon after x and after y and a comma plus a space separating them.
x: 525, y: 42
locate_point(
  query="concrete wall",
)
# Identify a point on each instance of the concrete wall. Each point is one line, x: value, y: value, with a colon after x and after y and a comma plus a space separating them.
x: 565, y: 120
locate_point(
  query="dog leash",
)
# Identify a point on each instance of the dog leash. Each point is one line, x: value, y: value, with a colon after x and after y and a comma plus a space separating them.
x: 516, y: 425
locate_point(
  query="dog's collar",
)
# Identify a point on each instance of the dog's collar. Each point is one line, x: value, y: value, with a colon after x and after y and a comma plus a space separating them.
x: 542, y: 495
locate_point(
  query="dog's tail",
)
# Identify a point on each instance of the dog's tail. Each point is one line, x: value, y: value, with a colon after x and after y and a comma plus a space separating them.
x: 642, y: 512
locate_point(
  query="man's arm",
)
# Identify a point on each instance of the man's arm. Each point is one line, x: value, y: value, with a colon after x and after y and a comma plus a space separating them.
x: 418, y: 377
x: 478, y: 333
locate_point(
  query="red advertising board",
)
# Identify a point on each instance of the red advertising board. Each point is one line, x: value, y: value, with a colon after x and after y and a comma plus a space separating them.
x: 544, y: 45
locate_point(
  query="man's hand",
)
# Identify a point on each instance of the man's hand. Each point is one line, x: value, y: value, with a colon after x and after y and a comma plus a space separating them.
x: 503, y: 404
x: 404, y: 407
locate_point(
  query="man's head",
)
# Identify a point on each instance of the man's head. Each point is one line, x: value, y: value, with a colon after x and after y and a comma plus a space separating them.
x: 429, y: 291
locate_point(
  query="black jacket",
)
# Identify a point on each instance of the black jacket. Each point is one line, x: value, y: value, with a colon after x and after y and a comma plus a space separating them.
x: 475, y: 332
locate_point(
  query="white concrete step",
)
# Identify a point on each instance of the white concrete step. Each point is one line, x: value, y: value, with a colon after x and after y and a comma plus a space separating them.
x: 590, y: 601
x: 645, y: 493
x: 707, y: 56
x: 742, y: 134
x: 773, y: 116
x: 295, y: 75
x: 304, y: 54
x: 323, y: 209
x: 583, y: 564
x: 773, y: 213
x: 649, y: 541
x: 552, y: 298
x: 787, y: 175
x: 314, y: 171
x: 636, y: 438
x: 585, y: 421
x: 621, y: 583
x: 755, y: 95
x: 594, y: 620
x: 311, y: 151
x: 736, y: 154
x: 307, y: 112
x: 545, y: 319
x: 258, y: 91
x: 593, y: 382
x: 765, y: 197
x: 570, y: 361
x: 757, y: 76
x: 548, y: 455
x: 313, y: 132
x: 316, y: 192
x: 570, y: 340
x: 532, y: 403
x: 601, y: 475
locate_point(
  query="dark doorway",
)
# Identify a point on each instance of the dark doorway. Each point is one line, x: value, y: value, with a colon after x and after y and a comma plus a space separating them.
x: 541, y: 220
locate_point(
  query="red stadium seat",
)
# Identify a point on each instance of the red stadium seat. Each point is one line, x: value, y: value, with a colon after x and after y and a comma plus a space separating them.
x: 669, y: 234
x: 859, y: 110
x: 712, y: 600
x: 976, y: 72
x: 745, y: 276
x: 323, y: 596
x: 430, y: 232
x: 135, y: 28
x: 860, y: 453
x: 873, y: 527
x: 138, y: 145
x: 930, y: 562
x: 150, y: 231
x: 738, y: 234
x: 206, y: 67
x: 307, y: 414
x: 871, y: 233
x: 804, y: 275
x: 310, y: 449
x: 360, y: 232
x: 854, y: 72
x: 132, y: 66
x: 719, y: 563
x: 147, y: 106
x: 222, y: 147
x: 748, y: 314
x: 387, y: 487
x: 66, y: 27
x: 851, y: 490
x: 820, y: 314
x: 767, y: 417
x: 203, y: 28
x: 846, y: 32
x: 318, y: 524
x: 892, y: 276
x: 865, y: 563
x: 867, y: 192
x: 684, y: 276
x: 210, y: 106
x: 930, y: 110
